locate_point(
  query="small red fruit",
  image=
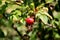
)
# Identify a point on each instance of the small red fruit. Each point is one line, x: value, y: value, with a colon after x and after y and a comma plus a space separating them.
x: 29, y: 21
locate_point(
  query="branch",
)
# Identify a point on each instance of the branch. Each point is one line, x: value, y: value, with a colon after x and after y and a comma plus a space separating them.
x: 50, y: 25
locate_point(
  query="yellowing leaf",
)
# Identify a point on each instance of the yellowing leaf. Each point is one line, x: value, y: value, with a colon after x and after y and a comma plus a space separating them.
x: 44, y: 12
x: 10, y: 8
x: 49, y: 1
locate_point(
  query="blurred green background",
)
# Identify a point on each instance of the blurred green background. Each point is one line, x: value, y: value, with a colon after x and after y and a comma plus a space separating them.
x: 14, y: 12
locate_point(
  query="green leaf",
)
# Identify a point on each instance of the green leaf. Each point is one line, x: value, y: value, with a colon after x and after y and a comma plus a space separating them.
x: 57, y: 22
x: 16, y: 38
x: 17, y: 12
x: 32, y: 6
x: 33, y: 36
x: 57, y: 35
x: 1, y: 33
x: 44, y: 19
x: 4, y: 30
x: 56, y: 15
x: 0, y: 1
x: 10, y: 8
x: 49, y: 1
x: 45, y: 12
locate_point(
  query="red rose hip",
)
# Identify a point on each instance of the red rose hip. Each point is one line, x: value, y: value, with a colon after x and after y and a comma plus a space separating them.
x: 29, y: 21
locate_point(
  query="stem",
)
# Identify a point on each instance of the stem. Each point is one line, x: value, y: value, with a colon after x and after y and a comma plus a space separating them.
x: 50, y: 25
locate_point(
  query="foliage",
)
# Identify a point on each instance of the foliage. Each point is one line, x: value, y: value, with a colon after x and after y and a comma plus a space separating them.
x: 13, y: 14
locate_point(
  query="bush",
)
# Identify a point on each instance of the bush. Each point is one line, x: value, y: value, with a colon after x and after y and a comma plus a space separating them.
x: 45, y: 15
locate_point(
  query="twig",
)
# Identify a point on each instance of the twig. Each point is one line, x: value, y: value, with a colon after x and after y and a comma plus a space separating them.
x: 50, y: 25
